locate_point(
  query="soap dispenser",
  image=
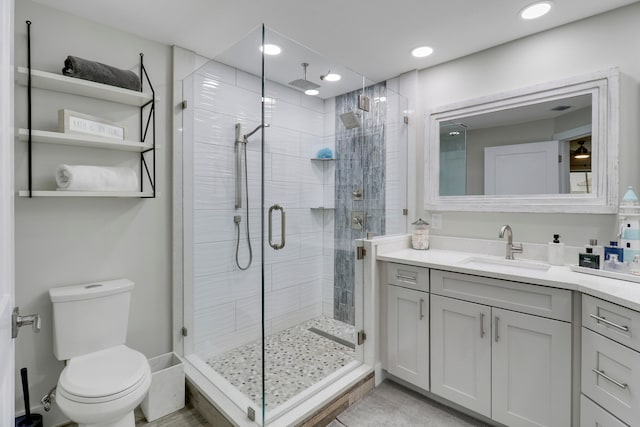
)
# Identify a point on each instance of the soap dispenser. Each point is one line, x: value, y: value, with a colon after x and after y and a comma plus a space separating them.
x: 555, y: 251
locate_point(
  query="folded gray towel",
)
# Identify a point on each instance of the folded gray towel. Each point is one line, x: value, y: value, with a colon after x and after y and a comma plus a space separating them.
x: 100, y: 73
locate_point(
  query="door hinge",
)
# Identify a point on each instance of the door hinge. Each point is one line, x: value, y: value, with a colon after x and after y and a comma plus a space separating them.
x: 361, y: 252
x: 185, y: 331
x: 406, y: 120
x: 362, y: 337
x: 183, y: 104
x: 251, y: 413
x: 559, y: 158
x: 405, y: 211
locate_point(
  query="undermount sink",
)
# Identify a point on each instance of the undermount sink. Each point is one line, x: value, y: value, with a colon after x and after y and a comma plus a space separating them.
x: 504, y: 264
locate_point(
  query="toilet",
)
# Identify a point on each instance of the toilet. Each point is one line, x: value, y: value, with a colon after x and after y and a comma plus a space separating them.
x: 103, y: 380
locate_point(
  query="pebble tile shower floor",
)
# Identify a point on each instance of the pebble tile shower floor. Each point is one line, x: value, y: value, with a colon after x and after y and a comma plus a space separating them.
x: 296, y: 358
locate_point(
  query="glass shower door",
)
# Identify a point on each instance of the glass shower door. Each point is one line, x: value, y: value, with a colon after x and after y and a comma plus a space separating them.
x: 307, y: 347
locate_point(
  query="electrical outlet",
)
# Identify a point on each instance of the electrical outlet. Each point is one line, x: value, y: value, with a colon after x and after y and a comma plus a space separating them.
x: 436, y: 221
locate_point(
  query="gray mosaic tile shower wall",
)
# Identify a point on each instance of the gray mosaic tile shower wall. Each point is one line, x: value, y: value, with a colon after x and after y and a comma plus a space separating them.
x: 360, y: 165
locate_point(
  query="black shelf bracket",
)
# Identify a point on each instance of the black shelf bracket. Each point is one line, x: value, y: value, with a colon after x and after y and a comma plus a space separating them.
x: 144, y: 129
x: 29, y: 108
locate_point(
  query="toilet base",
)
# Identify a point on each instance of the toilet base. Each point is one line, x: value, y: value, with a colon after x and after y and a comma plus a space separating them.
x: 127, y: 421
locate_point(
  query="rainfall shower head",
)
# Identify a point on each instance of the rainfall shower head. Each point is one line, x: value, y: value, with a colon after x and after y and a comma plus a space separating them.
x: 303, y: 83
x: 350, y: 120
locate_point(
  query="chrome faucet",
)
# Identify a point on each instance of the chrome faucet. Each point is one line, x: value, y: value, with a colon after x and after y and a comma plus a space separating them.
x: 511, y: 248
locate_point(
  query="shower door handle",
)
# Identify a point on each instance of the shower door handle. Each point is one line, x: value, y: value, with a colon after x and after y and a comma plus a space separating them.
x: 283, y: 224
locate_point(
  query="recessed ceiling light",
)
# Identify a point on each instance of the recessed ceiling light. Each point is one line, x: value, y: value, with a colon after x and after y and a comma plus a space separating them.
x: 422, y: 51
x: 271, y: 49
x: 331, y: 77
x: 535, y: 10
x: 312, y: 92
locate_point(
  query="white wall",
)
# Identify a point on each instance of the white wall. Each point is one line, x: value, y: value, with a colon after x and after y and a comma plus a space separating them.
x: 589, y: 45
x: 62, y: 241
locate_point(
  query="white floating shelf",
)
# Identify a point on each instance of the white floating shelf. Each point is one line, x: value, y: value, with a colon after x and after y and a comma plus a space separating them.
x: 322, y: 160
x: 322, y: 208
x: 75, y: 86
x: 54, y: 193
x: 78, y: 140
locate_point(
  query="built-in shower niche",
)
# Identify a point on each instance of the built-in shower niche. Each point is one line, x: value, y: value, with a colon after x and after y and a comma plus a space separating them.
x: 275, y: 324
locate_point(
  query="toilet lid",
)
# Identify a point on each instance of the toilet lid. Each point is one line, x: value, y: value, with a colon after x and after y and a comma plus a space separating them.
x: 104, y: 373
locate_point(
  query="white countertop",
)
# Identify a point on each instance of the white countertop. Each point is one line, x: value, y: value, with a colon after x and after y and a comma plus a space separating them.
x: 621, y: 292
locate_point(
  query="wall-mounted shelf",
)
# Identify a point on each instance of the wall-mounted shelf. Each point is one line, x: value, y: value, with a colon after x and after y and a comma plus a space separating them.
x: 55, y: 193
x: 81, y: 140
x: 322, y: 208
x: 145, y: 102
x: 318, y: 159
x: 75, y: 86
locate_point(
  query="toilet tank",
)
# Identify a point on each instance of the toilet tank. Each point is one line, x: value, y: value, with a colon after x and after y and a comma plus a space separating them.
x: 90, y: 317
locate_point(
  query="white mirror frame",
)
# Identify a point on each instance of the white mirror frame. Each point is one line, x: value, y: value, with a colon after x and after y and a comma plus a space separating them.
x: 604, y: 87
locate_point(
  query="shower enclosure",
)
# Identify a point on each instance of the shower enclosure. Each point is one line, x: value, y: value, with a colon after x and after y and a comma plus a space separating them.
x: 276, y: 188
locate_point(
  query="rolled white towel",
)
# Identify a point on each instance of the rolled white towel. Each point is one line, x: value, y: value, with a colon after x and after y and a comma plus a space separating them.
x: 96, y: 178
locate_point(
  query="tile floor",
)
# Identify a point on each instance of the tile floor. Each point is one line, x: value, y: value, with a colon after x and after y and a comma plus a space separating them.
x: 391, y: 404
x: 296, y: 358
x: 387, y: 405
x: 186, y: 417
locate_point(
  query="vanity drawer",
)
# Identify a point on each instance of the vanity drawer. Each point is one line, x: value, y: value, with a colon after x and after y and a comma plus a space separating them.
x: 611, y: 376
x: 525, y: 298
x: 616, y: 322
x: 408, y: 276
x: 591, y: 415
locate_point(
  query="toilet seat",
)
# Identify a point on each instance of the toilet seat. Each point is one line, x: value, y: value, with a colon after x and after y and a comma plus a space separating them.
x: 104, y: 375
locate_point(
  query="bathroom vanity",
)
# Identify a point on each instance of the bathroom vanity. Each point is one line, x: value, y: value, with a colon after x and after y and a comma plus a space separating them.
x: 514, y: 342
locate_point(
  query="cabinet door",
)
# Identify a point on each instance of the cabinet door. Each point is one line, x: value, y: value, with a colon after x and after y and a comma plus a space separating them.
x: 461, y: 353
x: 531, y: 365
x: 408, y: 335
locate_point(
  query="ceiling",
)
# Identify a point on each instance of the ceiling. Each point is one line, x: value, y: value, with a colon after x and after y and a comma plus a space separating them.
x: 370, y: 37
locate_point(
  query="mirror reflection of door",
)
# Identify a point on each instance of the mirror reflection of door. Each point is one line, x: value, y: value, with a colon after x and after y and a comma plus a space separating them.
x: 532, y: 168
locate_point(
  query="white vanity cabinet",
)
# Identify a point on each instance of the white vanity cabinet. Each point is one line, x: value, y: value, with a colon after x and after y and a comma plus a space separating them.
x: 408, y: 323
x: 493, y: 352
x: 610, y: 363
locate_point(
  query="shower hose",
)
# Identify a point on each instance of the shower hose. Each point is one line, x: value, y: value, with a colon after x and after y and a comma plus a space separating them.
x: 237, y: 219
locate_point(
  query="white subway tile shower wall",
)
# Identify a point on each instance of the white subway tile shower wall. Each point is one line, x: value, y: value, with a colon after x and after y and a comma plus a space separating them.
x: 226, y: 300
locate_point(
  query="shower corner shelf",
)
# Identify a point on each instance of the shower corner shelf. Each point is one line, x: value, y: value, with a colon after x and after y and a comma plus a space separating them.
x: 319, y: 159
x: 322, y: 208
x: 145, y: 101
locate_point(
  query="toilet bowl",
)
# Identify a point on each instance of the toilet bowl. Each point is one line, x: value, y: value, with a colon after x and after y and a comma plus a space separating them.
x: 103, y: 380
x: 103, y: 388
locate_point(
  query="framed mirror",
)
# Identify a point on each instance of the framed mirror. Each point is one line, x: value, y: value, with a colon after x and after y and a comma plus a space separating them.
x: 547, y: 148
